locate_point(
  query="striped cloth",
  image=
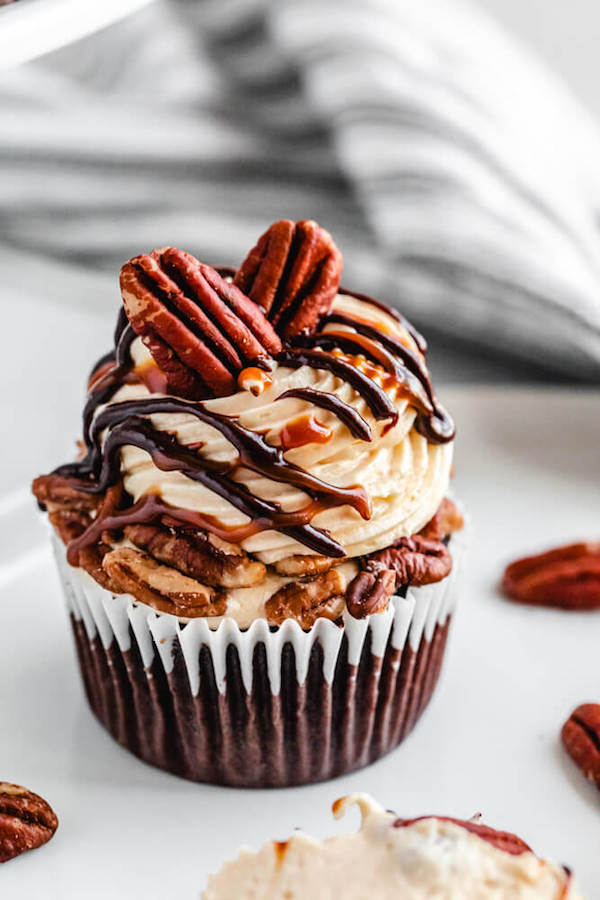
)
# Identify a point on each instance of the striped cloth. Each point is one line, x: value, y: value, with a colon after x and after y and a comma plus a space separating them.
x: 459, y: 178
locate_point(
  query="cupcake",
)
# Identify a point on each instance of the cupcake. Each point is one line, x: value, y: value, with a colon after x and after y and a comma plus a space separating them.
x: 256, y: 544
x: 388, y: 857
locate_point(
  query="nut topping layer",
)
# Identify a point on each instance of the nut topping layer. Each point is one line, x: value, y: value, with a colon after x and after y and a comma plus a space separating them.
x: 26, y: 821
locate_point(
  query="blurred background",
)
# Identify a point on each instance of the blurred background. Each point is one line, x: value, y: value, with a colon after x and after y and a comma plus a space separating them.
x: 451, y: 148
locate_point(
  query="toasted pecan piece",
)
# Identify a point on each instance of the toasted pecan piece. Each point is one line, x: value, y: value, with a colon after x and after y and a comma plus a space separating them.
x: 293, y: 273
x: 299, y: 565
x: 307, y: 601
x: 502, y: 840
x: 69, y: 523
x: 91, y: 558
x: 200, y: 328
x: 196, y: 555
x: 447, y: 519
x: 565, y: 577
x: 161, y: 587
x: 411, y: 561
x: 581, y: 738
x: 26, y: 821
x: 55, y: 492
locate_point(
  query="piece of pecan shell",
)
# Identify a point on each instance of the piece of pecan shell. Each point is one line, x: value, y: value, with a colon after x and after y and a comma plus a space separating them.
x: 293, y: 273
x: 566, y: 577
x: 161, y: 587
x: 26, y: 821
x: 197, y: 556
x: 581, y: 738
x: 307, y: 601
x: 502, y: 840
x: 200, y: 328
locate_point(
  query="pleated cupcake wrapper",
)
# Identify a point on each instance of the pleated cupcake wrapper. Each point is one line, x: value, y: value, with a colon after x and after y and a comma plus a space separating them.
x: 261, y: 706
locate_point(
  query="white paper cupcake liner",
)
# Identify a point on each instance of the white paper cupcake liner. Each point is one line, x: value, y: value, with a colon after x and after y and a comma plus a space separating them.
x: 261, y: 706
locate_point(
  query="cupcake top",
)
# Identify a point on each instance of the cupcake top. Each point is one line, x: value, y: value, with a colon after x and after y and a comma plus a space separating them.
x: 259, y: 443
x: 390, y: 858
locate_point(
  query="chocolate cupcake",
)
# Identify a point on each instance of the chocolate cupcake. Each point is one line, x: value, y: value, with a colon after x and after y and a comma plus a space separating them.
x: 257, y: 550
x: 390, y: 858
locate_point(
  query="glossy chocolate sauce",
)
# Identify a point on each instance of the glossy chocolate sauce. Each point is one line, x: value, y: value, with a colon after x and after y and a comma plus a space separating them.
x: 99, y: 471
x: 375, y: 397
x: 394, y: 314
x: 352, y: 419
x: 433, y: 422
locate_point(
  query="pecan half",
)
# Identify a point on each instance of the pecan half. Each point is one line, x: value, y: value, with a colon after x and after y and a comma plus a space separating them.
x: 53, y: 492
x: 581, y: 738
x: 411, y: 561
x: 26, y: 821
x: 198, y: 556
x: 160, y: 587
x: 293, y: 273
x: 445, y: 522
x: 200, y: 329
x: 69, y: 523
x: 502, y: 840
x: 566, y: 577
x: 91, y: 558
x: 300, y: 565
x: 307, y: 601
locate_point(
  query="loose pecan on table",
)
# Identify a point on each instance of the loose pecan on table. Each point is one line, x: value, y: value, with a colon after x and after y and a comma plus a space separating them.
x: 214, y: 562
x: 200, y: 329
x: 581, y: 738
x: 307, y: 601
x: 293, y: 274
x: 161, y: 587
x: 26, y: 821
x: 566, y: 577
x: 411, y: 561
x: 502, y: 840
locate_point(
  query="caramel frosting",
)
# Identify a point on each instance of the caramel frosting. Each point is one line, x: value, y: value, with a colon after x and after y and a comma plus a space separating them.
x: 388, y: 858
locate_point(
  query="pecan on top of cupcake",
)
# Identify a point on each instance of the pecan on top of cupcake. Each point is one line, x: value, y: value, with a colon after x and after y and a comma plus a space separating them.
x: 387, y: 858
x: 259, y: 443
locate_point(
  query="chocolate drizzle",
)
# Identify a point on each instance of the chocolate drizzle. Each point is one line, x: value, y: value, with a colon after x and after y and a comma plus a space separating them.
x: 128, y: 425
x: 394, y: 314
x: 352, y: 419
x: 433, y: 422
x: 170, y: 456
x: 375, y: 397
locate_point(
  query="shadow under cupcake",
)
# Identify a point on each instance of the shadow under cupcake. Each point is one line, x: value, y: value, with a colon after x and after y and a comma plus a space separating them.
x: 258, y: 554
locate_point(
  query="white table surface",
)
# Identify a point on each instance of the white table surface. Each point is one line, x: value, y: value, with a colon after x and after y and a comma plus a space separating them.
x: 30, y: 28
x: 528, y: 469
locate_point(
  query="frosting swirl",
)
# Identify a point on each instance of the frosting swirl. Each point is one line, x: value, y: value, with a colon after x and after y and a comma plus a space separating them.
x: 431, y: 857
x: 403, y: 475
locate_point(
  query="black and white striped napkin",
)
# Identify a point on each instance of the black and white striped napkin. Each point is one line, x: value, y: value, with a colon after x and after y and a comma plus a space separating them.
x: 460, y: 179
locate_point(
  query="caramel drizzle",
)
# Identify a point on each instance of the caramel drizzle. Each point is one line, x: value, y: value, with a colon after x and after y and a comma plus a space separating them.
x: 375, y: 397
x: 349, y: 416
x: 254, y: 451
x: 394, y: 314
x: 433, y: 422
x: 169, y: 456
x: 101, y: 468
